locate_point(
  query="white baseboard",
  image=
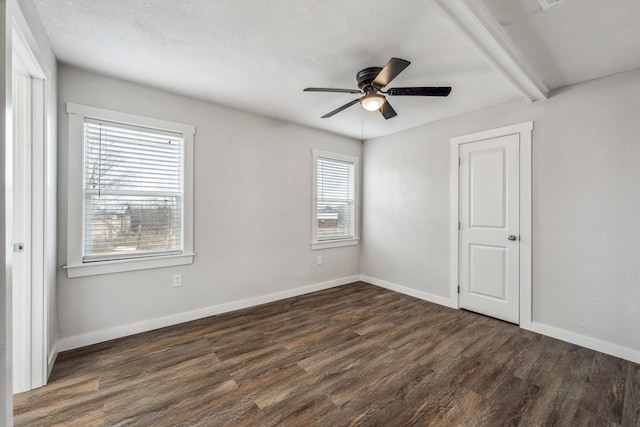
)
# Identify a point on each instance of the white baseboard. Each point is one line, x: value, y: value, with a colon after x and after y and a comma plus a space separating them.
x: 437, y: 299
x: 77, y: 341
x: 588, y: 342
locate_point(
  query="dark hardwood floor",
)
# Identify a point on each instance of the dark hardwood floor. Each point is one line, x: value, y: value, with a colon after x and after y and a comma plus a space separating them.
x: 347, y: 356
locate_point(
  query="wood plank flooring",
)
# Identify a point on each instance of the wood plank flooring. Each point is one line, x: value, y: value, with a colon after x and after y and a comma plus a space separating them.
x: 356, y: 355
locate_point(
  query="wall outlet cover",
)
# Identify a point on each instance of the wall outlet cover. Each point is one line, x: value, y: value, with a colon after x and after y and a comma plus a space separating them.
x: 177, y: 280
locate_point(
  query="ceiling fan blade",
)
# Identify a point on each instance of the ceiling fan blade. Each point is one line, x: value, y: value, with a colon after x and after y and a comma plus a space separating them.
x: 419, y: 91
x: 328, y: 89
x: 390, y: 71
x: 344, y: 107
x: 387, y: 111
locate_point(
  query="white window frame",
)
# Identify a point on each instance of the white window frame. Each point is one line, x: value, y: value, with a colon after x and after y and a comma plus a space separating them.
x: 325, y: 244
x: 75, y: 266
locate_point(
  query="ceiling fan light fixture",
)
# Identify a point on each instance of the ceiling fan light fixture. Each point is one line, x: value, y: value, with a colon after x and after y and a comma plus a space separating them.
x: 372, y: 101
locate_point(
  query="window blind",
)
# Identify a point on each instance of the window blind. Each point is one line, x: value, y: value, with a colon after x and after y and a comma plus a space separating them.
x: 133, y: 191
x: 335, y: 199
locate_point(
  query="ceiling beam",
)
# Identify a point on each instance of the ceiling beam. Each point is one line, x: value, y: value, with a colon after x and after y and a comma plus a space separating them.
x: 481, y: 28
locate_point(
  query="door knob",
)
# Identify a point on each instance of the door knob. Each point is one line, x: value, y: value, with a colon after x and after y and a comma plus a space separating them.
x: 512, y: 237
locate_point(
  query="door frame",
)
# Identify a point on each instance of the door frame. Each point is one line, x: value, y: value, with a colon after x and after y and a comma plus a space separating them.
x: 524, y: 131
x: 24, y: 46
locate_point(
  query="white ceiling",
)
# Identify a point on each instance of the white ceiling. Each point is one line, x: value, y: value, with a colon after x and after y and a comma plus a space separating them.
x: 258, y: 56
x: 574, y: 40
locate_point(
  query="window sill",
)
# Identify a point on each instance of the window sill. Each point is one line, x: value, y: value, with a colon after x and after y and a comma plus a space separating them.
x: 334, y: 244
x: 118, y: 266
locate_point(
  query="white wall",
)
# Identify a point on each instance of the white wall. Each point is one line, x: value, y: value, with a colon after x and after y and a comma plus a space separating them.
x: 253, y: 179
x: 586, y: 153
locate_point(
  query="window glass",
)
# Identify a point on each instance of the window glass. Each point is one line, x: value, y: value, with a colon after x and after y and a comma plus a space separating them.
x: 335, y: 199
x: 133, y: 191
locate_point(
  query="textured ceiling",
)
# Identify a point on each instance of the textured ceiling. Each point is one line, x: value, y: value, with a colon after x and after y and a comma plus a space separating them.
x: 259, y: 55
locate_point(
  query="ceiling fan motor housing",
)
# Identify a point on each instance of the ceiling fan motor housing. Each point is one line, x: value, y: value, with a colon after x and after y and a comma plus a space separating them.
x: 366, y: 77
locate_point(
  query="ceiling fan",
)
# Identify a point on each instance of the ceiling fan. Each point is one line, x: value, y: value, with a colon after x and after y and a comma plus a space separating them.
x: 371, y: 81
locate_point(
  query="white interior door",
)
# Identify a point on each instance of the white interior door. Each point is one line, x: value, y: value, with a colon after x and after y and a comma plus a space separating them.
x: 489, y: 228
x: 22, y: 156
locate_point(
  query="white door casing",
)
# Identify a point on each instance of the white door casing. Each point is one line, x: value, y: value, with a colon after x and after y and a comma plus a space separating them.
x: 484, y: 266
x: 489, y: 217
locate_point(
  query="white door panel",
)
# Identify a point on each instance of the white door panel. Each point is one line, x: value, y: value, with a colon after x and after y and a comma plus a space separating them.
x: 487, y: 268
x: 487, y: 193
x: 489, y: 214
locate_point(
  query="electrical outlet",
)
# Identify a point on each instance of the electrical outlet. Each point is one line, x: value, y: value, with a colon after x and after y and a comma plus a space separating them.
x: 177, y: 280
x: 319, y: 261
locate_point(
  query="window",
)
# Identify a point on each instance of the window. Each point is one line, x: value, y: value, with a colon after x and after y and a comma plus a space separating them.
x: 335, y: 203
x: 130, y: 192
